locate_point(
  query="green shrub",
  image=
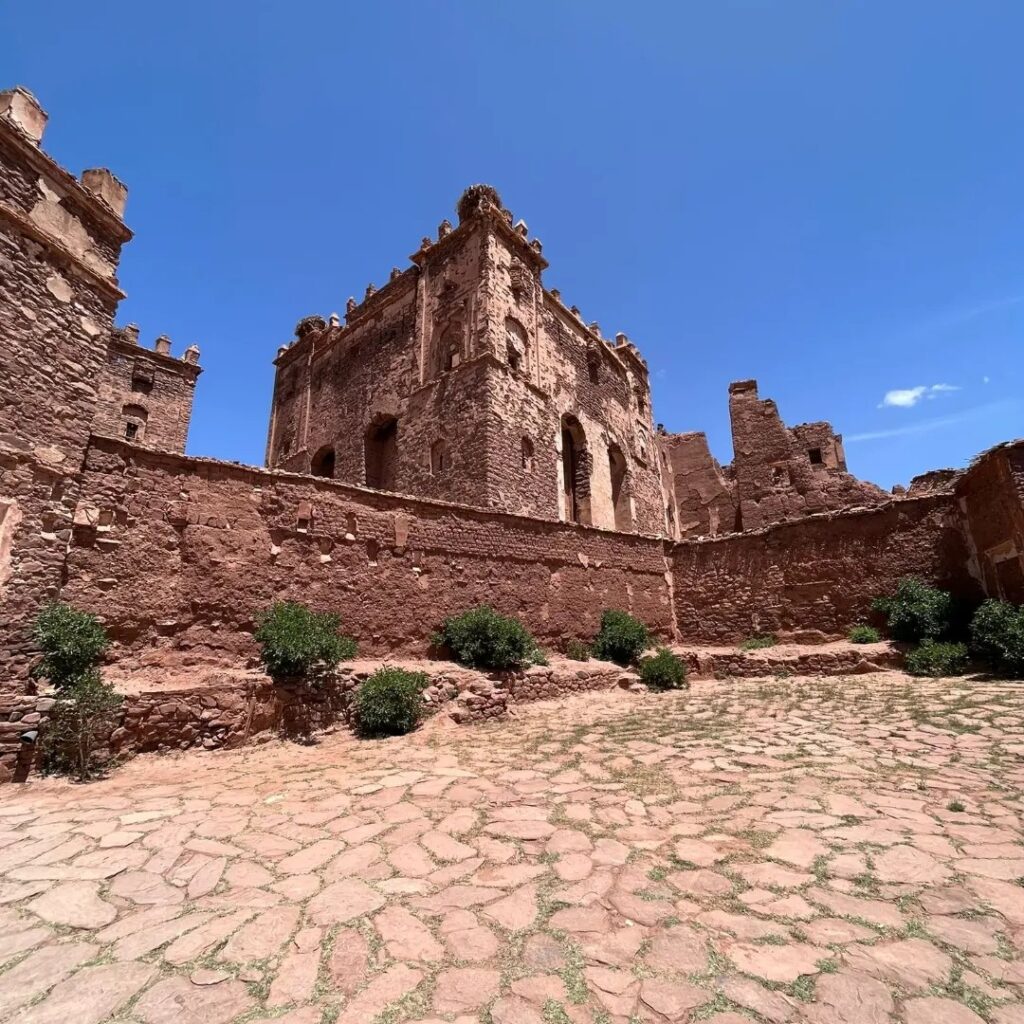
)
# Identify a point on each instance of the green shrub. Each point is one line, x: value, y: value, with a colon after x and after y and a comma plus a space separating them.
x: 755, y: 643
x: 917, y: 611
x: 997, y: 636
x: 483, y: 638
x: 577, y: 650
x: 621, y: 639
x: 864, y: 635
x: 72, y: 642
x: 390, y: 702
x: 82, y: 718
x: 936, y: 658
x: 296, y: 643
x: 663, y: 671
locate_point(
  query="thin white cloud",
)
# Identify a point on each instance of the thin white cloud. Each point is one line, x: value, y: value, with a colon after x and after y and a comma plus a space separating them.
x: 907, y: 398
x: 927, y: 426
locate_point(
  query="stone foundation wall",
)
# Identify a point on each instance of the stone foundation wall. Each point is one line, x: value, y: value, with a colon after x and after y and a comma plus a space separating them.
x: 705, y: 663
x: 231, y: 709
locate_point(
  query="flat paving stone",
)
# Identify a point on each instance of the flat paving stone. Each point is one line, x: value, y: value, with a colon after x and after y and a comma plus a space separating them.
x: 75, y: 904
x: 615, y: 856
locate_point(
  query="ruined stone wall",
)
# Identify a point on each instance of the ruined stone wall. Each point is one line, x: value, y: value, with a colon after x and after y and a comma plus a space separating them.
x: 186, y: 551
x: 816, y: 574
x: 991, y: 499
x: 146, y: 393
x: 783, y: 474
x: 702, y: 494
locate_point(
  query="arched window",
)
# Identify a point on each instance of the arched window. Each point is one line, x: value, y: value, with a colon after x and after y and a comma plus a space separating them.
x: 575, y: 471
x: 134, y: 419
x: 438, y: 458
x: 449, y: 347
x: 527, y: 454
x: 620, y: 491
x: 516, y: 347
x: 323, y: 462
x: 382, y: 454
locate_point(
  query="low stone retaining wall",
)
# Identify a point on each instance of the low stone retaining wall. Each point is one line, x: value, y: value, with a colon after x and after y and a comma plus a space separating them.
x: 20, y: 714
x: 229, y: 709
x: 837, y: 659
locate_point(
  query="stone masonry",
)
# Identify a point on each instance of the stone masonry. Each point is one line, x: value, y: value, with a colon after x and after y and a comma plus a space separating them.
x: 145, y: 395
x: 63, y: 370
x: 778, y: 473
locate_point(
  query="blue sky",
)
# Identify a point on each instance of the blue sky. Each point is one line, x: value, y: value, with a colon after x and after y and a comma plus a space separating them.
x: 826, y: 196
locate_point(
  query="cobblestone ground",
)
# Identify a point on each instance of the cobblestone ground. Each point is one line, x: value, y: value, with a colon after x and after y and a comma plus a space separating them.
x: 844, y: 850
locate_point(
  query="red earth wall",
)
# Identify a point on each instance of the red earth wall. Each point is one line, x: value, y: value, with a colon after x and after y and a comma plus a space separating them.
x: 179, y: 554
x: 815, y: 574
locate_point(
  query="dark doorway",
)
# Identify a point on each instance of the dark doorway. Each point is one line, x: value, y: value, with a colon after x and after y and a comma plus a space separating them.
x: 382, y: 454
x: 323, y: 463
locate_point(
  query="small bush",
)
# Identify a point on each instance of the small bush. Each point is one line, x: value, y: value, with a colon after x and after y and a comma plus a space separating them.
x: 482, y: 638
x: 81, y: 720
x: 935, y: 658
x: 296, y: 643
x: 577, y: 650
x: 755, y: 643
x: 864, y: 635
x: 621, y: 639
x: 663, y: 671
x: 997, y: 636
x: 72, y: 642
x: 390, y: 702
x: 916, y: 611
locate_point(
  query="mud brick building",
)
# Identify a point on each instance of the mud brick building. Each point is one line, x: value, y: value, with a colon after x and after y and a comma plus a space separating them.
x: 463, y: 436
x: 464, y: 379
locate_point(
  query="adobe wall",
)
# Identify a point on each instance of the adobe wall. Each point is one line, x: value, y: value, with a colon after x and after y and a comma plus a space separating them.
x: 818, y: 573
x: 701, y: 495
x: 180, y: 553
x: 991, y: 498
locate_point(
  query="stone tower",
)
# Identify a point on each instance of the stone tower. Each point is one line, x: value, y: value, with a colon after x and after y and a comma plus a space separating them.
x: 464, y: 379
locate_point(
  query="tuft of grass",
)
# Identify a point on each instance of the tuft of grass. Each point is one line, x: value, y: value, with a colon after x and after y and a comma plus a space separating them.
x: 863, y: 634
x: 803, y: 988
x: 754, y: 643
x: 554, y: 1013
